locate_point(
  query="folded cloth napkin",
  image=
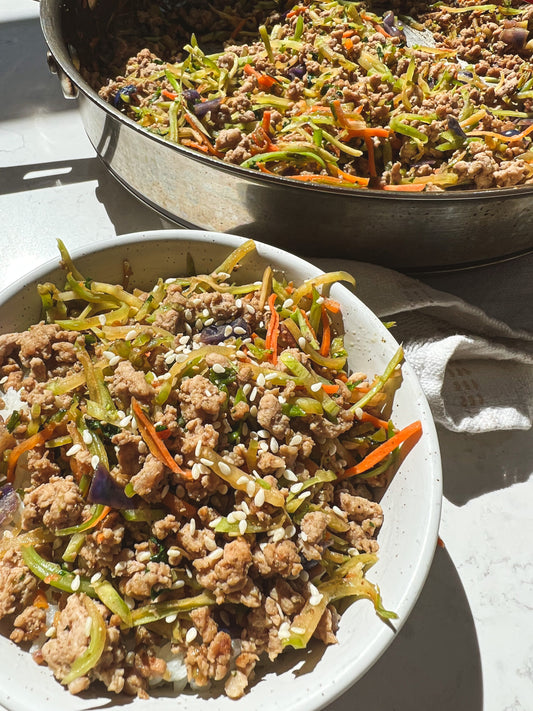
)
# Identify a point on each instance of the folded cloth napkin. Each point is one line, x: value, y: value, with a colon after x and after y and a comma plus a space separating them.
x: 476, y: 371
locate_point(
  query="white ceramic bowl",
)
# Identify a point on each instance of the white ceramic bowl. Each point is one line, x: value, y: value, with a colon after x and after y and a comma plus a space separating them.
x: 305, y: 681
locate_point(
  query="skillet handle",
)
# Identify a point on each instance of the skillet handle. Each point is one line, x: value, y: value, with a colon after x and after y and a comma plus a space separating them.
x: 67, y: 87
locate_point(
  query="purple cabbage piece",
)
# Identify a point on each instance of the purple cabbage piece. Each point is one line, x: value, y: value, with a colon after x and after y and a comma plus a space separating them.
x: 216, y: 334
x: 9, y: 503
x: 191, y: 95
x: 203, y: 107
x: 297, y: 71
x: 455, y: 127
x: 123, y: 95
x: 389, y: 25
x: 105, y: 490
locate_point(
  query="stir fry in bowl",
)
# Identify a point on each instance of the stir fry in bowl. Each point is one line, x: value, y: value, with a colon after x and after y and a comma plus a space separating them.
x: 347, y: 94
x: 190, y: 476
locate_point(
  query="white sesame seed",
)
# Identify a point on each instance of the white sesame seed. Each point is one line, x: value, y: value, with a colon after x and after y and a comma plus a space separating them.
x: 125, y: 421
x: 304, y: 575
x: 76, y: 583
x: 240, y: 354
x: 250, y: 308
x: 296, y: 440
x: 278, y: 534
x: 263, y: 446
x: 261, y: 380
x: 259, y: 498
x: 144, y: 556
x: 51, y: 631
x: 164, y: 376
x: 315, y: 599
x: 196, y: 471
x: 218, y: 368
x: 238, y: 303
x: 215, y: 555
x: 244, y: 429
x: 199, y: 324
x: 253, y: 394
x: 209, y: 321
x: 184, y: 340
x: 274, y: 446
x: 191, y: 635
x: 246, y: 388
x: 242, y: 480
x: 231, y: 518
x: 205, y: 313
x: 87, y: 437
x: 73, y: 450
x: 198, y: 448
x: 239, y: 515
x: 115, y: 360
x: 95, y: 461
x: 302, y: 342
x: 171, y: 618
x: 303, y: 536
x: 263, y: 433
x: 3, y: 380
x: 228, y: 331
x: 206, y: 462
x: 188, y: 314
x: 313, y: 589
x: 242, y: 527
x: 253, y: 411
x: 96, y: 577
x: 358, y: 412
x: 305, y: 495
x: 178, y: 584
x: 130, y: 335
x: 245, y: 507
x: 288, y: 303
x: 315, y: 387
x: 214, y: 523
x: 290, y: 531
x: 192, y: 525
x: 210, y: 544
x: 296, y: 488
x: 102, y: 319
x: 298, y: 630
x: 239, y: 330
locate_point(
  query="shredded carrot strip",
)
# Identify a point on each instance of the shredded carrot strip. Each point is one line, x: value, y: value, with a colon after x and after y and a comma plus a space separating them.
x: 348, y: 43
x: 33, y: 441
x: 379, y: 454
x: 348, y: 33
x: 330, y: 388
x: 326, y: 333
x: 332, y: 305
x: 265, y: 81
x: 40, y: 600
x: 381, y: 30
x: 204, y: 138
x: 163, y: 434
x: 504, y: 139
x: 406, y: 188
x: 308, y: 322
x: 154, y: 443
x: 238, y: 28
x: 169, y: 95
x: 265, y: 124
x: 104, y: 513
x: 367, y: 417
x: 271, y: 340
x: 352, y: 178
x: 194, y: 144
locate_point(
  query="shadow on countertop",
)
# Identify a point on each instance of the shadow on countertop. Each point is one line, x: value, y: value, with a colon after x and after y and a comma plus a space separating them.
x: 435, y: 662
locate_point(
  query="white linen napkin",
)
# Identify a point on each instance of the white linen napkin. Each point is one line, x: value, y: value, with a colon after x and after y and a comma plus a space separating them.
x: 476, y: 371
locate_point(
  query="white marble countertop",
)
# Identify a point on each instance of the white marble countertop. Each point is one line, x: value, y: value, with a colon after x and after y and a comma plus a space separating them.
x: 468, y: 644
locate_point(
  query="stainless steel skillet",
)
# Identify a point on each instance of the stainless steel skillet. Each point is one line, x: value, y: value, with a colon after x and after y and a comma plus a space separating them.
x: 421, y: 231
